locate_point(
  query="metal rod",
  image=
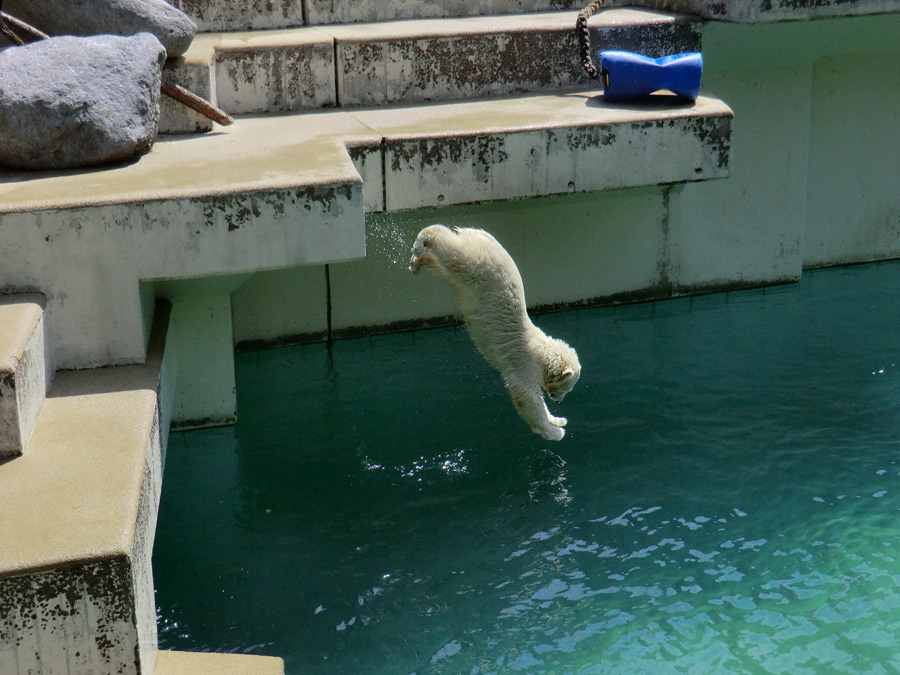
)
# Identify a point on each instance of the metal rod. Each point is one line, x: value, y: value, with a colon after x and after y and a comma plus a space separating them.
x: 194, y: 102
x: 22, y: 31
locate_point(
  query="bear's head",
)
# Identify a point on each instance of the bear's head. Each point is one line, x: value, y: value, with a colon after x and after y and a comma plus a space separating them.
x: 562, y: 370
x: 426, y: 246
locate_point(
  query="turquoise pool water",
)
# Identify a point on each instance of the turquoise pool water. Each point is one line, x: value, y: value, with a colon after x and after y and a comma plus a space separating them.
x: 726, y: 500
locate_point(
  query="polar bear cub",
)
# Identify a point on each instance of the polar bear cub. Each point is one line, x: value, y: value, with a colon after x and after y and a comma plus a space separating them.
x: 491, y: 299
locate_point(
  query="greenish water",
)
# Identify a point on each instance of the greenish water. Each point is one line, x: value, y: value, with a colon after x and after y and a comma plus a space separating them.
x: 725, y: 500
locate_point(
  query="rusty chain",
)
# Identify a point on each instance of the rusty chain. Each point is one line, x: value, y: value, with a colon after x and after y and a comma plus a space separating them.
x: 584, y: 37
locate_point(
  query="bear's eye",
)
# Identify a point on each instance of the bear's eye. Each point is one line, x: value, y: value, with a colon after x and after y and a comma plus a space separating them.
x: 426, y: 242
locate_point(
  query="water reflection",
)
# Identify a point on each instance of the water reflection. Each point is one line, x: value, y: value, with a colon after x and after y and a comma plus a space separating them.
x: 548, y: 477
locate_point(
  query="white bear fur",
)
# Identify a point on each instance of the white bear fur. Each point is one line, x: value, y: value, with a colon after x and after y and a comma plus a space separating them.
x: 490, y: 298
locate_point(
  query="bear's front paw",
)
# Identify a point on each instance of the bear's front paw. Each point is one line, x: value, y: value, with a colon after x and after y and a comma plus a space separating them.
x: 553, y: 433
x: 558, y: 421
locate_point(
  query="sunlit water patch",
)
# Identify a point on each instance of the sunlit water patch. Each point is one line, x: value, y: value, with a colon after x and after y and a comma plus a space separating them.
x: 726, y: 499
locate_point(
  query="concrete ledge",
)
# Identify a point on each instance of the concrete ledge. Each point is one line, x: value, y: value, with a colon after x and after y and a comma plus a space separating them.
x: 444, y: 59
x: 255, y: 156
x: 26, y: 368
x: 274, y: 192
x: 542, y: 145
x: 264, y: 193
x: 193, y: 663
x: 260, y: 167
x: 235, y: 15
x: 408, y: 61
x: 79, y: 514
x: 353, y: 11
x: 239, y: 15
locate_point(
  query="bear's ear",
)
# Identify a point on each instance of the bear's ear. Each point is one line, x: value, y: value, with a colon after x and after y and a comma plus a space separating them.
x: 568, y: 373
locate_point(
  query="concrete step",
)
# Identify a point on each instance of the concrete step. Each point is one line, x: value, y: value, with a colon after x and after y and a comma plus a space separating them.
x: 537, y: 145
x: 262, y: 194
x: 77, y: 525
x: 235, y: 15
x: 410, y: 61
x: 350, y: 11
x: 281, y: 191
x: 238, y: 15
x: 26, y: 368
x: 194, y: 663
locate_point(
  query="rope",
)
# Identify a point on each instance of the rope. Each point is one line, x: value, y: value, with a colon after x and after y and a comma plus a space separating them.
x: 584, y: 38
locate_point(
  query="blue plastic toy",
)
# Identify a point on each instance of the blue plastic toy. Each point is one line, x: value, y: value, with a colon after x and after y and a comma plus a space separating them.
x: 628, y: 75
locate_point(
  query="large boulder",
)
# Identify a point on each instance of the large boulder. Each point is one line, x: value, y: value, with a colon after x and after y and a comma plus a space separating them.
x: 171, y: 26
x: 72, y: 101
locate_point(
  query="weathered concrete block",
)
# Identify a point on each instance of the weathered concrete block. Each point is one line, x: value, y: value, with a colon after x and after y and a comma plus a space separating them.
x: 195, y: 72
x: 236, y: 15
x: 273, y: 71
x: 431, y: 60
x: 171, y: 26
x: 26, y: 369
x: 70, y: 102
x: 407, y: 61
x: 353, y: 11
x: 73, y: 619
x: 252, y: 200
x: 545, y: 145
x: 79, y: 516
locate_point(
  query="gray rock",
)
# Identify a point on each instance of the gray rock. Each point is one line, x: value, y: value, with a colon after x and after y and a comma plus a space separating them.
x: 71, y: 101
x: 119, y: 17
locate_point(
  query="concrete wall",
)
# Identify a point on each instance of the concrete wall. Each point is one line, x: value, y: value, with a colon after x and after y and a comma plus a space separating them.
x: 612, y: 243
x: 853, y: 200
x: 815, y: 181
